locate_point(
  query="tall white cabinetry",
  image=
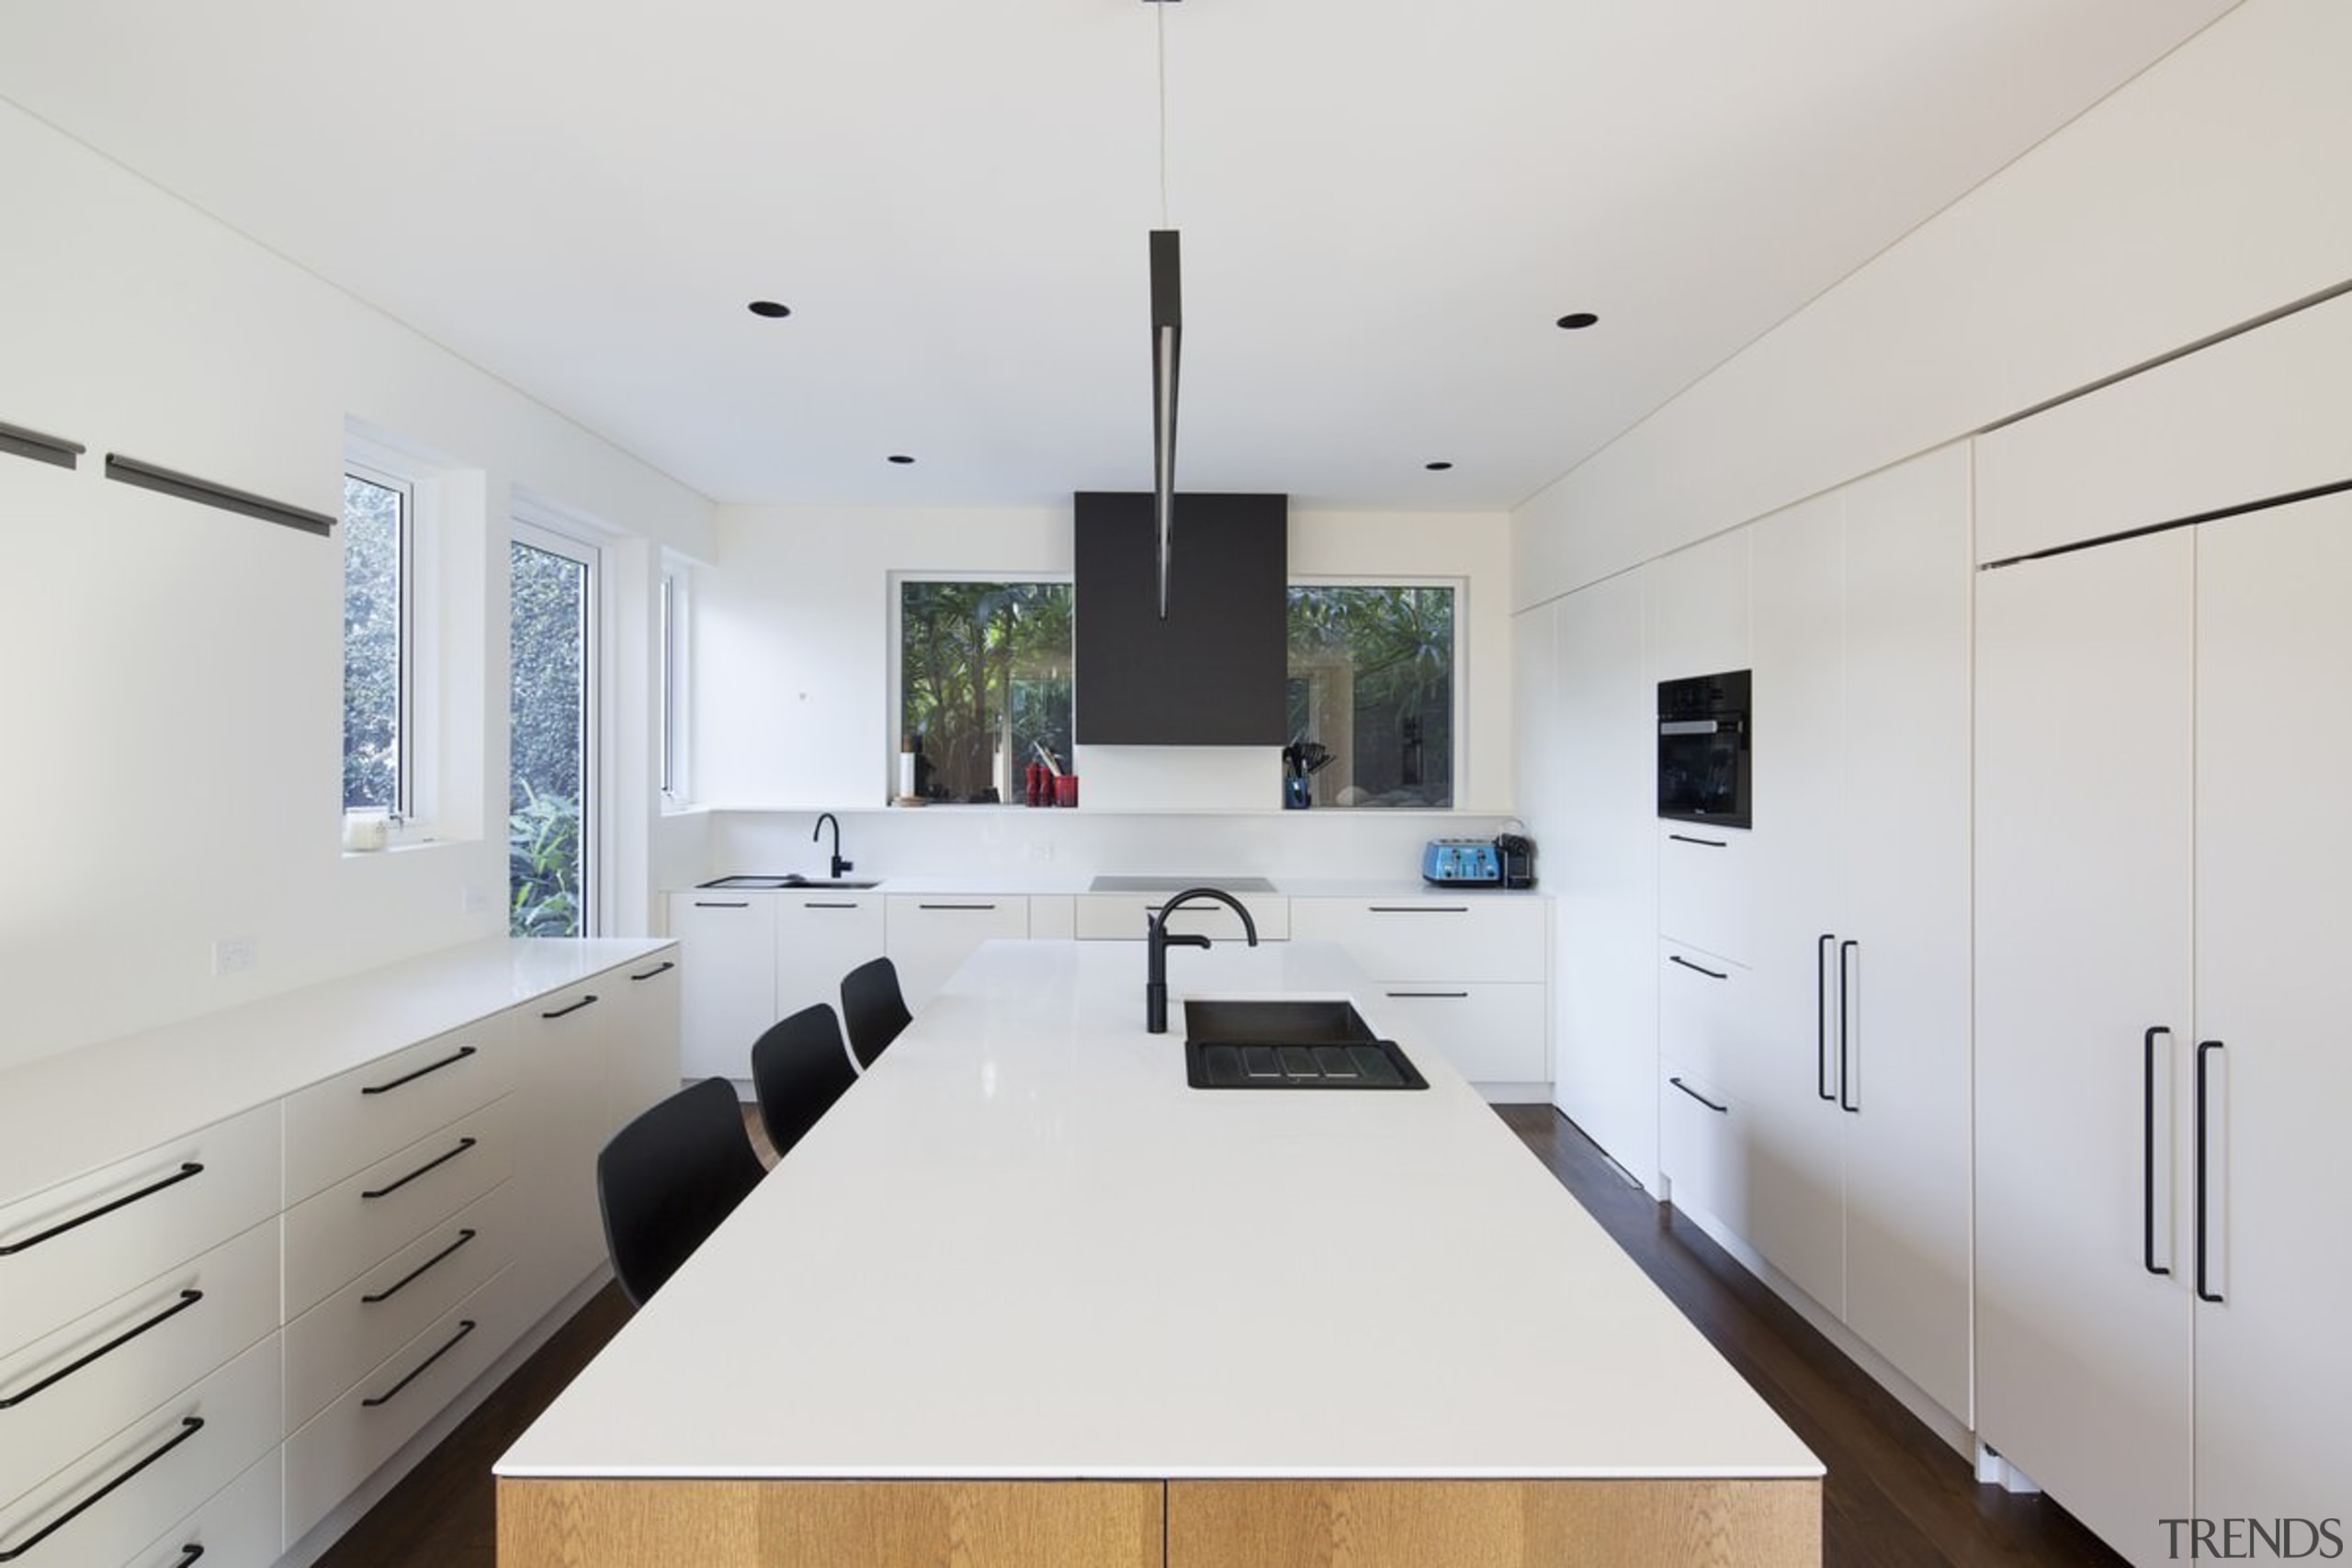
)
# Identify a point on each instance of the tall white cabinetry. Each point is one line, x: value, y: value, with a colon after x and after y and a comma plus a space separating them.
x: 1855, y: 1067
x: 2160, y: 922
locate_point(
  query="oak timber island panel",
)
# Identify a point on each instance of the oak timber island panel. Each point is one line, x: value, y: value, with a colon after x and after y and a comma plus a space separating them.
x: 1020, y: 1250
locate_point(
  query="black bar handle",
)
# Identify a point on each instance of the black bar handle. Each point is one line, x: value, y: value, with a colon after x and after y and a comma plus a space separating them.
x: 823, y: 904
x: 2148, y: 1149
x: 1845, y: 1061
x: 187, y: 1299
x: 188, y: 1555
x: 1709, y: 974
x: 1429, y: 996
x: 190, y: 1427
x: 587, y: 1001
x: 661, y: 968
x: 465, y: 1327
x: 40, y: 448
x: 463, y: 1144
x: 462, y: 1052
x: 187, y: 486
x: 1702, y: 1099
x: 956, y: 906
x: 1417, y: 909
x: 403, y: 1284
x: 1821, y: 1014
x: 189, y: 1170
x: 1711, y: 843
x: 2204, y: 1050
x: 716, y: 904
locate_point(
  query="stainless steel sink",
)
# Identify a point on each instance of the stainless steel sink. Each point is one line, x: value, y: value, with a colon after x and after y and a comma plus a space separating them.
x: 788, y: 881
x: 1302, y: 1043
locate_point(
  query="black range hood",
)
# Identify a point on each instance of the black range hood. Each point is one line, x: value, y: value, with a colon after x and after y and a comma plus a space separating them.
x: 1212, y: 672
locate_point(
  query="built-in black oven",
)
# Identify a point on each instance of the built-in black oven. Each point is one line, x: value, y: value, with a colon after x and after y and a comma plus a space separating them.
x: 1704, y: 757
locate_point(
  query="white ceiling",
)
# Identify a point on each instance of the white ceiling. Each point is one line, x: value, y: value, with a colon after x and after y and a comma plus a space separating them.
x: 1384, y: 205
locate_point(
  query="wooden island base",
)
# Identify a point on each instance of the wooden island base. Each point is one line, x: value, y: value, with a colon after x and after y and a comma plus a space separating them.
x: 1149, y: 1524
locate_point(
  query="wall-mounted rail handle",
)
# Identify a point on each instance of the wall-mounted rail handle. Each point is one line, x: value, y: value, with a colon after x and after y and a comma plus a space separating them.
x: 437, y: 1160
x: 1417, y: 908
x: 208, y: 492
x: 465, y: 1327
x: 406, y: 1280
x: 186, y: 1172
x: 1722, y: 1109
x: 956, y: 906
x: 462, y: 1053
x: 190, y: 1427
x: 1821, y: 1014
x: 587, y: 1001
x: 2148, y: 1149
x: 661, y: 968
x: 1847, y: 1099
x: 188, y: 1555
x: 16, y: 439
x: 722, y: 903
x: 187, y: 1299
x: 1428, y: 996
x: 1700, y: 968
x: 2205, y: 1048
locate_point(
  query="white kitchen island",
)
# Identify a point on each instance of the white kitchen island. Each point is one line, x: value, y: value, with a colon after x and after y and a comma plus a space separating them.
x: 1024, y: 1297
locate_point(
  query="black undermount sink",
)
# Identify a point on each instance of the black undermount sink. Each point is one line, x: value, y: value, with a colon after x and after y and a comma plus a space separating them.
x: 785, y: 882
x: 1297, y: 1043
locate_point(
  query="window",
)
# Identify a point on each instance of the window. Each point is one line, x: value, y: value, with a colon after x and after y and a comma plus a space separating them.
x: 1371, y: 695
x: 672, y: 738
x: 379, y: 599
x: 552, y: 800
x: 984, y: 678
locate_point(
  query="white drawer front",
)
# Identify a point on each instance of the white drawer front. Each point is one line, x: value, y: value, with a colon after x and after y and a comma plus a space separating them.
x: 1492, y: 1033
x: 338, y: 1342
x: 1121, y: 917
x: 75, y: 1387
x: 1705, y: 893
x: 335, y: 1127
x: 345, y: 1443
x: 237, y: 1526
x: 56, y: 1269
x: 1702, y: 1130
x: 352, y: 1226
x: 1478, y: 937
x: 1704, y: 1005
x: 120, y: 1495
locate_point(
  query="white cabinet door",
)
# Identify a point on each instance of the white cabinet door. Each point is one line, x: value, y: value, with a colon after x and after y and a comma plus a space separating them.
x: 642, y: 1035
x: 2273, y: 1366
x: 929, y: 938
x: 727, y: 946
x: 1695, y: 610
x: 819, y: 938
x: 1600, y: 855
x: 1492, y: 1033
x: 2085, y: 674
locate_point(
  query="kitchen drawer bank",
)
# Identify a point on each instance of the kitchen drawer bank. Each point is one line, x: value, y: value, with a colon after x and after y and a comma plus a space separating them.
x: 247, y: 1260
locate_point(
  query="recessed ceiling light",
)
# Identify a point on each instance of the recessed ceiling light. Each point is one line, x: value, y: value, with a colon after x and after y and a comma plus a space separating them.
x: 900, y: 458
x: 1438, y: 467
x: 1577, y: 320
x: 769, y: 307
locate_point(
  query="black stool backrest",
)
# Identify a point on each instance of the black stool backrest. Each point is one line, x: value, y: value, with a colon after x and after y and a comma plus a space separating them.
x: 799, y: 1069
x: 668, y: 1179
x: 874, y: 1008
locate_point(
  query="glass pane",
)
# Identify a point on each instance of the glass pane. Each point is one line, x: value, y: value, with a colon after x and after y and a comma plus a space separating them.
x: 985, y: 680
x: 547, y: 828
x: 1371, y: 697
x: 372, y: 543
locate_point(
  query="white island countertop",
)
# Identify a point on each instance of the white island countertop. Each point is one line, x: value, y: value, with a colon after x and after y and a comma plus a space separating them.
x: 1021, y: 1248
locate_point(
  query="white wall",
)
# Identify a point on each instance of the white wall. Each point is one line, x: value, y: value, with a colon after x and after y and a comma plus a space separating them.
x: 173, y: 707
x: 2205, y: 193
x: 793, y: 704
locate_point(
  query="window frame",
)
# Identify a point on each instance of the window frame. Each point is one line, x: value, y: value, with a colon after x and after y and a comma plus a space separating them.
x: 896, y: 581
x: 538, y: 526
x: 406, y: 737
x: 674, y: 780
x: 1459, y: 682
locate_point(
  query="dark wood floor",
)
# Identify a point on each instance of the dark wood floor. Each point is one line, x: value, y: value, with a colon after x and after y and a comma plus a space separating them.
x: 1897, y: 1496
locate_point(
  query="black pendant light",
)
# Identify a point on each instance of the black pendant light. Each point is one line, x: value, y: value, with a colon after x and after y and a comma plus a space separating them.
x: 1167, y: 339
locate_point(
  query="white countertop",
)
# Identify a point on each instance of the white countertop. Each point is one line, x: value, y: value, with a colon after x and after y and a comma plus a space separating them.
x: 1021, y: 1247
x: 80, y: 1110
x: 1066, y: 886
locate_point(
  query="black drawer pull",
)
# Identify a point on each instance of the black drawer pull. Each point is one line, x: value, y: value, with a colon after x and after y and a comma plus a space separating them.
x: 187, y: 1299
x: 188, y: 1555
x: 462, y: 1052
x: 1418, y: 909
x: 944, y: 906
x: 587, y: 1001
x: 1702, y: 1099
x: 1709, y: 974
x: 1710, y: 843
x: 463, y: 1144
x: 1430, y: 995
x: 661, y: 968
x: 389, y: 1292
x: 715, y: 904
x: 190, y: 1427
x: 465, y: 1327
x: 185, y: 1171
x: 813, y: 904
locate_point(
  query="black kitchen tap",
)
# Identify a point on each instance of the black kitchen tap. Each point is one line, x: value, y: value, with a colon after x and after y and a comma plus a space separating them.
x: 839, y: 864
x: 1157, y: 939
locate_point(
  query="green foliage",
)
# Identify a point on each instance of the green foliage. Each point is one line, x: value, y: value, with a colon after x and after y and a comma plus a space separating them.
x: 546, y: 866
x: 543, y: 864
x: 371, y: 643
x: 985, y: 666
x: 1371, y: 675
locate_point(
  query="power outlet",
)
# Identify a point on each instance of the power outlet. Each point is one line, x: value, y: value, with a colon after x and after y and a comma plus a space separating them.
x: 1040, y: 849
x: 235, y: 954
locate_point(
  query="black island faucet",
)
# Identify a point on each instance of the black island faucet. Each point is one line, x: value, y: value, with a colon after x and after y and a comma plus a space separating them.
x: 839, y: 864
x: 1157, y: 939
